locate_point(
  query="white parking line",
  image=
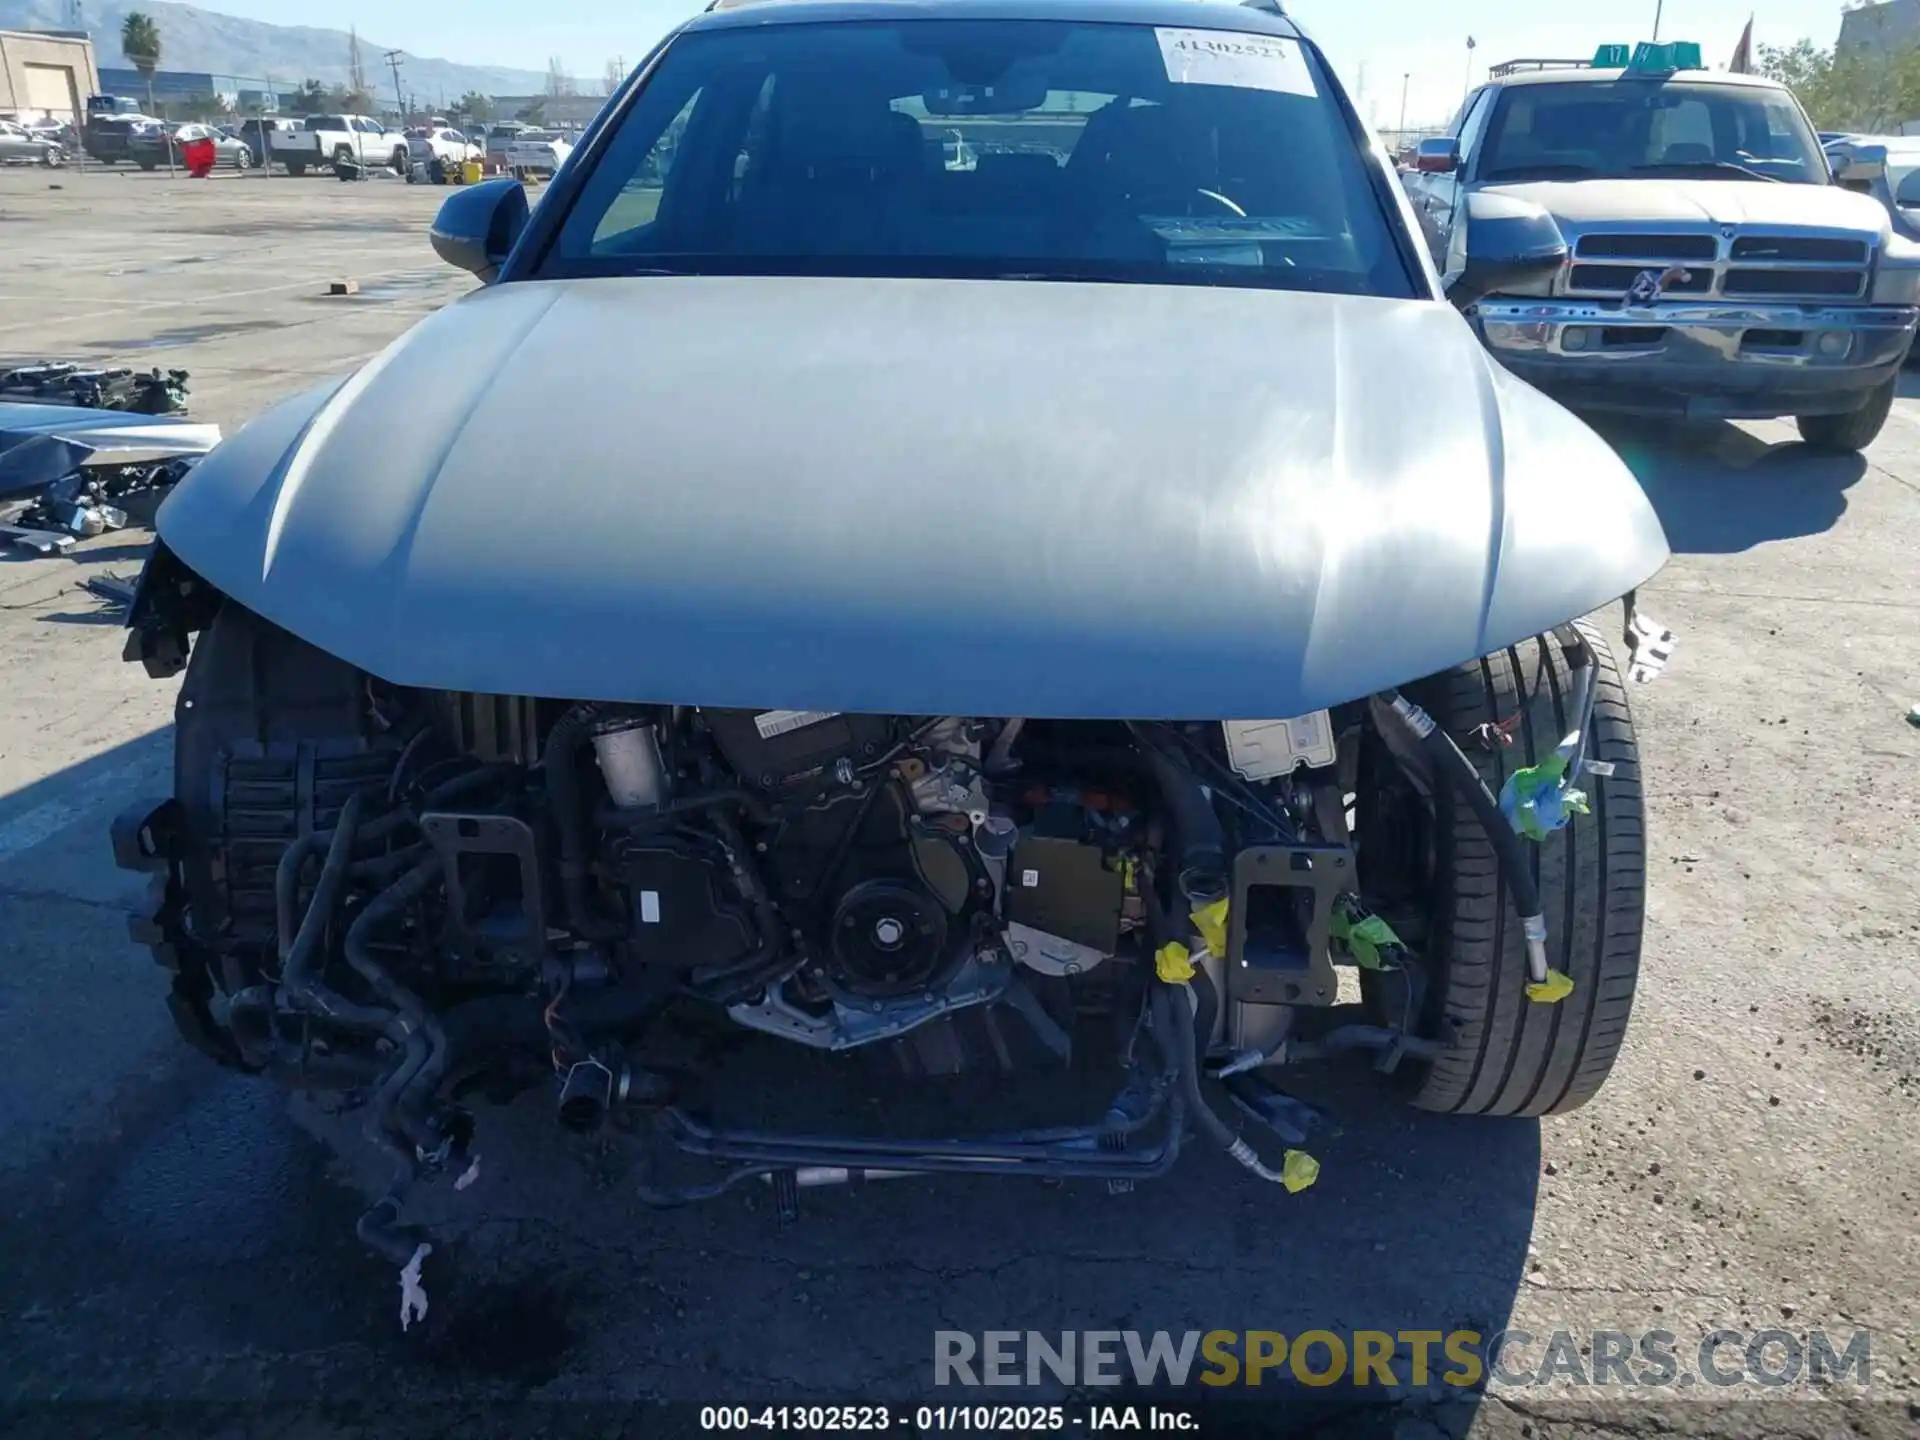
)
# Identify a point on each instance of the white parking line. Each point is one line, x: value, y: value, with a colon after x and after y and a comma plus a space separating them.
x: 46, y: 820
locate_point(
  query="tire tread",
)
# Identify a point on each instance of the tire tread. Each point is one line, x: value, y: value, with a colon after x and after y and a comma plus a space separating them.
x: 1510, y: 1056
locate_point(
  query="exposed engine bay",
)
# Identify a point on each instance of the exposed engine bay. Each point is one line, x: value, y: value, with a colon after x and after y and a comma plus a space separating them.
x: 412, y: 896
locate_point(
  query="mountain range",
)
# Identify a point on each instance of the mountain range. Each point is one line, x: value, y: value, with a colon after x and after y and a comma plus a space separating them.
x: 199, y: 40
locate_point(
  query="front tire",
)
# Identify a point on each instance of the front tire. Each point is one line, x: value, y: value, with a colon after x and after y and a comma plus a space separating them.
x: 1857, y: 429
x: 243, y: 160
x: 1507, y: 1054
x: 54, y: 157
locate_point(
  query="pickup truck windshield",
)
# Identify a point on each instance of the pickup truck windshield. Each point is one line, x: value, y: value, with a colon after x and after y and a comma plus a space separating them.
x: 1625, y: 129
x: 986, y: 148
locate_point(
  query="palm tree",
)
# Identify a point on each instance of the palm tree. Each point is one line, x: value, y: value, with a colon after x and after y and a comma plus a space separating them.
x: 140, y: 43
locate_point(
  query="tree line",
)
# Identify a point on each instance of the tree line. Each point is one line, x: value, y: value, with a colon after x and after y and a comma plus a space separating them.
x: 1859, y: 89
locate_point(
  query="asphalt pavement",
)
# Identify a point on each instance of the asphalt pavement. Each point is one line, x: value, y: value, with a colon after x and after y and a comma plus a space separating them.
x: 175, y: 1235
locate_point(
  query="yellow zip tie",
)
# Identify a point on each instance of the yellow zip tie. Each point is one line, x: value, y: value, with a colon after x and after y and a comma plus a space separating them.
x: 1550, y: 991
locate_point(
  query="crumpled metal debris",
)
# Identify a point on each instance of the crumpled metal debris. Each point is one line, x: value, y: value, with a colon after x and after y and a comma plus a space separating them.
x: 55, y: 383
x: 68, y: 472
x: 110, y: 587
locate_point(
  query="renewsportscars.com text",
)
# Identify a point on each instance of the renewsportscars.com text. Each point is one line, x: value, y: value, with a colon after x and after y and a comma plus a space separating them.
x: 1383, y: 1359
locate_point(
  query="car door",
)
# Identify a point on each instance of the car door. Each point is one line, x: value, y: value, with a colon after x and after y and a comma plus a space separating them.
x: 13, y: 142
x: 1443, y: 194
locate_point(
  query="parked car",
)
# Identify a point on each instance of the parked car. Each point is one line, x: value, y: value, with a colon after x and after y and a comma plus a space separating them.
x: 1885, y: 167
x: 109, y: 134
x: 538, y: 152
x: 499, y: 135
x: 503, y: 760
x: 1716, y: 268
x: 256, y: 131
x: 149, y: 148
x: 324, y: 139
x: 21, y: 146
x: 443, y: 143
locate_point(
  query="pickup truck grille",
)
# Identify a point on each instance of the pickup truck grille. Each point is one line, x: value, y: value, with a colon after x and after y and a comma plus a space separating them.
x: 1745, y: 266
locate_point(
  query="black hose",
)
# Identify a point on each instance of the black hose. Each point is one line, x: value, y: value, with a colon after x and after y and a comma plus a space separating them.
x: 618, y: 1009
x: 1175, y: 1011
x: 286, y: 875
x: 415, y: 1072
x: 1206, y: 1010
x: 1455, y: 770
x: 568, y: 734
x: 379, y: 1229
x: 380, y: 829
x: 1202, y: 843
x: 286, y: 888
x: 300, y: 970
x: 1453, y: 767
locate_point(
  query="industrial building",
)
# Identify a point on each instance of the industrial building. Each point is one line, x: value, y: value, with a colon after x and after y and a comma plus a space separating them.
x: 46, y: 73
x: 176, y: 86
x: 1892, y: 24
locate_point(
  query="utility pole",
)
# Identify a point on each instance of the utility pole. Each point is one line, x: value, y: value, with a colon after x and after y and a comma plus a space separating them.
x: 1404, y: 79
x: 393, y: 58
x: 1359, y: 95
x: 1658, y: 6
x: 1468, y: 88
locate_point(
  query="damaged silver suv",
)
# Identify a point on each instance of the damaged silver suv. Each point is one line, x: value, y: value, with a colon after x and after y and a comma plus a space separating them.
x: 1025, y: 578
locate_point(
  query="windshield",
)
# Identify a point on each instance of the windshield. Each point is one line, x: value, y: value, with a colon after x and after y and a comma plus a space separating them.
x: 1024, y: 149
x: 1626, y: 128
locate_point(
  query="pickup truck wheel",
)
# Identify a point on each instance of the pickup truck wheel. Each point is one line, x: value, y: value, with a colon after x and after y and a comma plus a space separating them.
x: 342, y: 155
x: 296, y: 167
x: 149, y: 164
x: 1853, y: 431
x: 1506, y: 1054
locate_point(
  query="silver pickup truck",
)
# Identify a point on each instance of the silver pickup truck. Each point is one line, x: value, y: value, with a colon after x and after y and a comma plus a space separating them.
x: 1714, y: 269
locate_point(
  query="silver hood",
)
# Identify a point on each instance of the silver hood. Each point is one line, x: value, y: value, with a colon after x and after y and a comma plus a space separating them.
x: 1697, y: 204
x: 921, y: 497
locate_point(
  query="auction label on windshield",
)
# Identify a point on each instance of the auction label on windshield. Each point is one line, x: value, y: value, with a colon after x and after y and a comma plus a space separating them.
x: 1228, y: 57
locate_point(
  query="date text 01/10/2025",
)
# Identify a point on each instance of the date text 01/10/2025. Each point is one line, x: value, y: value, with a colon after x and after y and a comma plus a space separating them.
x: 937, y: 1419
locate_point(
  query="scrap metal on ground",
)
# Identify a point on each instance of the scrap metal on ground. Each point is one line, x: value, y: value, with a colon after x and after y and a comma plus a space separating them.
x: 54, y: 383
x: 68, y: 472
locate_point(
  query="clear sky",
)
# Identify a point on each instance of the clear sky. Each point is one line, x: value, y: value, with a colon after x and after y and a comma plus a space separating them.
x: 1422, y: 40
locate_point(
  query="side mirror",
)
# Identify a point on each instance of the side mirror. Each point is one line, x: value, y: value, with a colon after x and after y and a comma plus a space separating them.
x: 1437, y: 157
x: 1510, y: 243
x: 477, y: 227
x: 1909, y: 192
x: 1859, y: 162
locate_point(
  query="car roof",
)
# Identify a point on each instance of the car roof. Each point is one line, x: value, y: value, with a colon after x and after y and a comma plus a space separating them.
x: 1260, y: 17
x: 1584, y: 75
